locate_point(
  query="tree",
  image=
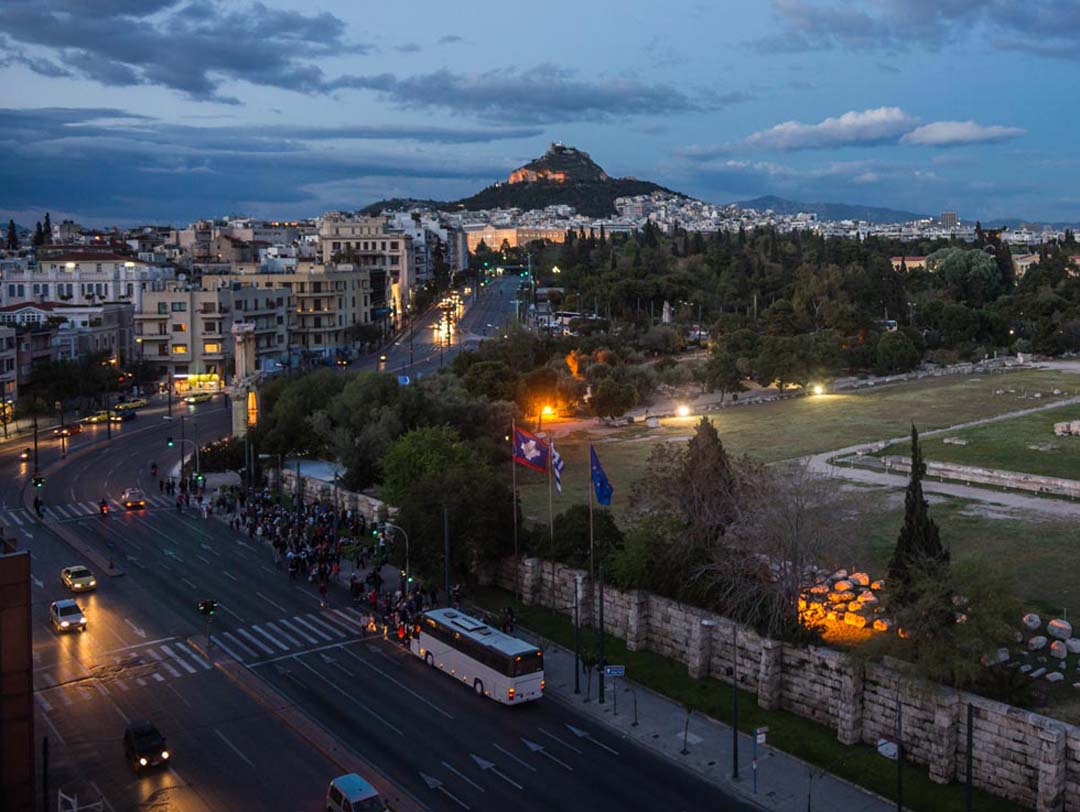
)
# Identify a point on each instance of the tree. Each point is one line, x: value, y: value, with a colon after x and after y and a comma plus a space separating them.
x: 494, y: 380
x: 47, y: 230
x: 918, y: 547
x: 418, y: 454
x: 572, y: 536
x: 12, y: 240
x: 39, y: 235
x: 721, y: 373
x: 896, y: 353
x: 613, y: 399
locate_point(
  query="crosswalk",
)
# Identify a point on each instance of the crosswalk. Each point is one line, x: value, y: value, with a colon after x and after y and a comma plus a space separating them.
x: 290, y: 635
x: 72, y: 511
x: 139, y: 667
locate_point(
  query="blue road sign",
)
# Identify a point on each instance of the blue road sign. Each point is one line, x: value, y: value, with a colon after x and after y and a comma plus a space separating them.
x: 614, y: 670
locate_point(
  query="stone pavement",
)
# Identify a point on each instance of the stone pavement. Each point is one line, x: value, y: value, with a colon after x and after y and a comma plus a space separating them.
x: 784, y: 783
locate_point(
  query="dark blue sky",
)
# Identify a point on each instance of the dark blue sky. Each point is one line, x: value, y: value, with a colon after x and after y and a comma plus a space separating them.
x: 163, y: 110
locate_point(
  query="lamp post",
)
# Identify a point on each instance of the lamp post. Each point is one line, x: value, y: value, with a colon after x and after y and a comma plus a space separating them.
x: 401, y: 530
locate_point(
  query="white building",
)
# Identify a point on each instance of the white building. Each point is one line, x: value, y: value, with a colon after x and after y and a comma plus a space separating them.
x: 83, y: 278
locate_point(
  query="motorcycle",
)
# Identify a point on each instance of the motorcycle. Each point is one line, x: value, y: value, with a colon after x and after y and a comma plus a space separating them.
x: 104, y: 508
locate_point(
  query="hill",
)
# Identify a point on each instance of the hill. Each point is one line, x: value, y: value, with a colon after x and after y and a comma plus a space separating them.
x: 831, y: 211
x: 561, y: 176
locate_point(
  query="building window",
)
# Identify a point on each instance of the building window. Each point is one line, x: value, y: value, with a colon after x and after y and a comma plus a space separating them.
x: 209, y: 326
x: 179, y: 349
x: 393, y: 245
x: 211, y: 346
x: 178, y: 307
x: 162, y: 308
x: 179, y: 327
x: 318, y: 322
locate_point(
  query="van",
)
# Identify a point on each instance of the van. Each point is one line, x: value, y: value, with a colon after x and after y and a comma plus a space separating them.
x: 351, y: 793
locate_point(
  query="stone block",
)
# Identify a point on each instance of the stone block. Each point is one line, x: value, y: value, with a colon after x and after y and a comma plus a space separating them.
x: 1036, y: 643
x: 1058, y: 650
x: 1061, y: 629
x: 859, y: 579
x: 1032, y: 621
x: 843, y: 586
x: 852, y: 619
x: 1073, y: 645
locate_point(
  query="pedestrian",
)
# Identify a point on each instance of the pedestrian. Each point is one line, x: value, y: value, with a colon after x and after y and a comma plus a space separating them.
x: 322, y: 594
x: 354, y: 588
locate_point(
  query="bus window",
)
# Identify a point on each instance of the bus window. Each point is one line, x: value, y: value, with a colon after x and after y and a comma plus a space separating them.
x: 528, y: 664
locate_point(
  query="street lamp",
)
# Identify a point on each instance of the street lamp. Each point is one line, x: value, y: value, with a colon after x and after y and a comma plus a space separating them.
x: 401, y: 530
x: 819, y: 389
x: 683, y: 410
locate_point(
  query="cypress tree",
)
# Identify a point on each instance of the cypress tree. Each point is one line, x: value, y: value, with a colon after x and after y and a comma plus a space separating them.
x: 918, y: 546
x: 12, y: 241
x: 47, y: 229
x: 39, y: 235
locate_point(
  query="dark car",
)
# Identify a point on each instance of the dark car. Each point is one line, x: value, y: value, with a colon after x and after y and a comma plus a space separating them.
x: 124, y: 416
x: 144, y: 745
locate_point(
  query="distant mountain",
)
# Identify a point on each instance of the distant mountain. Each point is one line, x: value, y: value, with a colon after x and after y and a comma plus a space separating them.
x: 561, y: 176
x: 830, y: 211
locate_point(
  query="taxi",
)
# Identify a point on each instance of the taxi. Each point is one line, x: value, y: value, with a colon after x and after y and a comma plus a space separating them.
x: 198, y: 397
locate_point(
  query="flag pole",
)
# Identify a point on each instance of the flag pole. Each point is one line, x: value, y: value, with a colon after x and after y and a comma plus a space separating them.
x: 551, y: 521
x: 589, y: 488
x: 513, y: 487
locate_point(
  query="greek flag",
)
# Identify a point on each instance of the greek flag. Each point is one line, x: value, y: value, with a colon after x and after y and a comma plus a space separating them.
x: 556, y: 465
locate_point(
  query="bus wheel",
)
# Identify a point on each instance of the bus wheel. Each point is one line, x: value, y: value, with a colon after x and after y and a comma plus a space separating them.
x: 429, y: 659
x: 478, y: 686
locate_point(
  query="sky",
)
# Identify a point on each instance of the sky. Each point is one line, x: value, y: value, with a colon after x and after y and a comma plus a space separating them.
x: 118, y: 112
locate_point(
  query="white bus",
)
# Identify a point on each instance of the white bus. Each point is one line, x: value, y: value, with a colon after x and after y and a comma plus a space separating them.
x: 495, y: 664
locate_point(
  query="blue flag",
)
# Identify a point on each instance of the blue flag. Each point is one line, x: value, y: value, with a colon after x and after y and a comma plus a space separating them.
x: 601, y: 486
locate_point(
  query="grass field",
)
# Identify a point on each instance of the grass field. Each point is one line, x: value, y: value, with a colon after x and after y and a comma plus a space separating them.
x: 1007, y: 445
x: 794, y: 428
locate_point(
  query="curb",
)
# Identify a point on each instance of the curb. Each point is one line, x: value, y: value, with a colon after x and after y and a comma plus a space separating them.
x: 318, y: 737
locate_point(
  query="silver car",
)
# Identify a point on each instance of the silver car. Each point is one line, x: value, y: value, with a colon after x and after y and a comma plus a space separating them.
x: 66, y: 616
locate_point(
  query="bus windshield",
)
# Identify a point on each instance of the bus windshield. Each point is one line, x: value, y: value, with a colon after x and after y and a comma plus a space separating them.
x: 528, y: 663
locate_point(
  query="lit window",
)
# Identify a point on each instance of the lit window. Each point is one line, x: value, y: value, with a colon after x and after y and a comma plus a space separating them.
x: 211, y: 346
x: 179, y: 349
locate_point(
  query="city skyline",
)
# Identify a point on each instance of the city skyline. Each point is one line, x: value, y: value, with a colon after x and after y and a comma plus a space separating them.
x: 165, y: 111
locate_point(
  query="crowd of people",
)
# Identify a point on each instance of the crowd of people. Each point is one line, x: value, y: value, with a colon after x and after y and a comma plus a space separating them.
x: 315, y: 540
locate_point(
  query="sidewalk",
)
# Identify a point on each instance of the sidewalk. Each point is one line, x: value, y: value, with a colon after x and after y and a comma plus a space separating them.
x: 783, y: 782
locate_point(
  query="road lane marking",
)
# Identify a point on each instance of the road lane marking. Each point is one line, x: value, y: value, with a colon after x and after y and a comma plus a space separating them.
x: 437, y: 785
x: 277, y: 605
x: 45, y: 705
x: 139, y: 645
x: 204, y: 559
x: 48, y: 679
x: 584, y: 734
x: 101, y: 795
x: 179, y: 695
x: 189, y: 583
x: 462, y: 776
x: 101, y: 688
x: 123, y: 715
x: 122, y: 685
x: 350, y: 623
x: 140, y: 682
x: 560, y: 741
x: 327, y: 618
x: 167, y: 666
x: 135, y: 628
x: 319, y: 623
x: 173, y: 655
x: 197, y: 658
x: 239, y: 645
x: 215, y: 640
x: 401, y: 685
x: 489, y: 766
x: 300, y: 621
x: 249, y: 636
x: 298, y: 632
x: 229, y: 575
x: 506, y: 752
x: 350, y: 697
x: 282, y: 634
x: 230, y: 611
x: 157, y: 677
x: 270, y: 637
x: 234, y: 748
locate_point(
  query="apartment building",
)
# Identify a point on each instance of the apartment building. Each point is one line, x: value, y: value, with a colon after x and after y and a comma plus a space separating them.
x: 186, y: 330
x: 372, y: 244
x: 9, y: 373
x: 82, y: 278
x: 78, y: 330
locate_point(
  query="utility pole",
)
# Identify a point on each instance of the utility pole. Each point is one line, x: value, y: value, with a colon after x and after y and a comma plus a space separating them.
x: 577, y: 645
x: 35, y: 442
x: 108, y: 417
x: 734, y: 701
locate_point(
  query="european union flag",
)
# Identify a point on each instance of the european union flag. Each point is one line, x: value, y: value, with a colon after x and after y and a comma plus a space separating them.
x: 601, y: 486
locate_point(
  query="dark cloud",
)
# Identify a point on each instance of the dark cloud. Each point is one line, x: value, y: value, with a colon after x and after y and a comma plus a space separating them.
x: 107, y: 163
x: 450, y: 39
x: 1043, y: 27
x: 545, y: 93
x: 191, y: 47
x: 407, y: 48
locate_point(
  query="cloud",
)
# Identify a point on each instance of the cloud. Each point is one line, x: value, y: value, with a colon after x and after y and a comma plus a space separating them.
x: 191, y: 47
x: 106, y: 163
x: 958, y: 133
x: 544, y: 93
x: 1043, y: 27
x: 408, y: 48
x: 450, y: 39
x: 875, y: 126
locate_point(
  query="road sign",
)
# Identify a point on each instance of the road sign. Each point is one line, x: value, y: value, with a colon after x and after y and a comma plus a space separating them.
x: 760, y: 733
x: 614, y: 670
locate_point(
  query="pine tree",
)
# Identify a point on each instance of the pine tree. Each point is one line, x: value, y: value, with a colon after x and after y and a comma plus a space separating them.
x: 39, y: 235
x: 12, y: 241
x: 603, y: 237
x: 918, y: 547
x: 47, y: 229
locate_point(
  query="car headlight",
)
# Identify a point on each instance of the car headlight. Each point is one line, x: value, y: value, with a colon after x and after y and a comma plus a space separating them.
x: 64, y: 624
x: 142, y: 761
x: 164, y: 753
x: 93, y: 583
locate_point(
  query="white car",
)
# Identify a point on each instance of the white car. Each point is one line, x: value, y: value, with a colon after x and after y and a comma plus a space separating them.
x: 66, y: 616
x: 77, y: 578
x: 133, y: 499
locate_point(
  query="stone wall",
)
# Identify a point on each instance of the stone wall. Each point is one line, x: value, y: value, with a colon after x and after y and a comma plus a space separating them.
x: 995, y: 477
x: 313, y: 489
x: 1031, y: 760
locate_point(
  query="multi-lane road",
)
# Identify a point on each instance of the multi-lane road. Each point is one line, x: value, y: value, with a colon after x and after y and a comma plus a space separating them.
x: 144, y: 656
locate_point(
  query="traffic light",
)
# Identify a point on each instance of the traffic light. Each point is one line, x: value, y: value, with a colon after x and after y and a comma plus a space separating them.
x: 169, y: 442
x: 199, y: 477
x: 207, y: 607
x: 39, y: 482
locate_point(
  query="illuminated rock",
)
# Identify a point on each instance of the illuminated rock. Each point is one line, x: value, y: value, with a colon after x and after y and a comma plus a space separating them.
x: 843, y: 586
x: 852, y: 619
x: 859, y: 579
x: 1055, y: 676
x: 1036, y: 643
x: 1058, y: 650
x: 1032, y: 621
x: 1061, y: 629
